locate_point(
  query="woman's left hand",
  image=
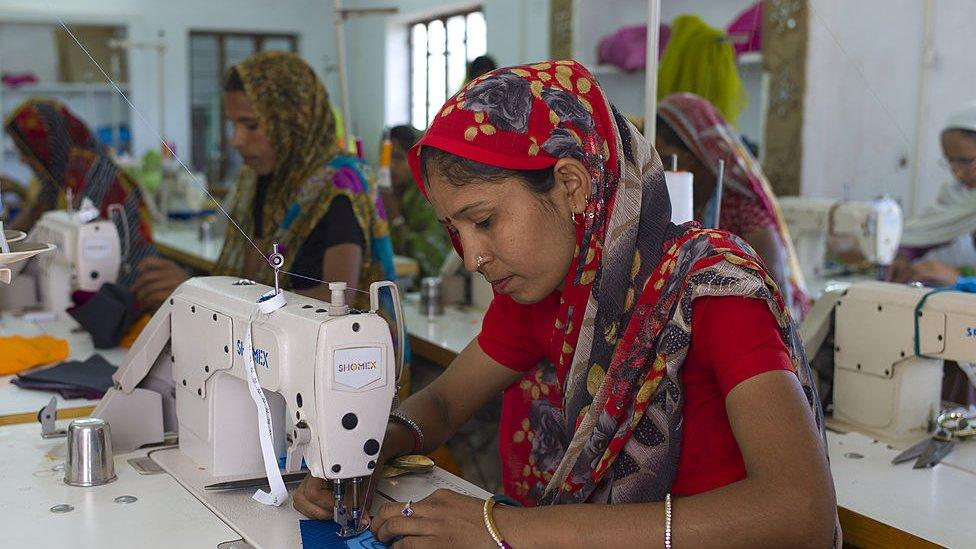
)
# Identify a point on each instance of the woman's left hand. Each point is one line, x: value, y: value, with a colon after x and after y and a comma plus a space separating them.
x: 935, y: 272
x: 442, y: 519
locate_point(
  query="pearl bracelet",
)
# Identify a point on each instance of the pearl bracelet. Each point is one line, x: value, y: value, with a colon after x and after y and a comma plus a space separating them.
x: 418, y: 435
x: 667, y: 521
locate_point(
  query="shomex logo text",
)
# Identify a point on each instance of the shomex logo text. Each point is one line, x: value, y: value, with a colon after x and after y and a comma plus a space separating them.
x: 357, y: 366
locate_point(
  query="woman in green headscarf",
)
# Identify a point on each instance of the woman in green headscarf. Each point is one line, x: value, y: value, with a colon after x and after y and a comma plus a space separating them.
x: 296, y: 189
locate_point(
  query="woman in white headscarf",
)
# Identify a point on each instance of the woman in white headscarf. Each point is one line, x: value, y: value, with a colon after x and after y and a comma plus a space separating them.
x: 939, y: 245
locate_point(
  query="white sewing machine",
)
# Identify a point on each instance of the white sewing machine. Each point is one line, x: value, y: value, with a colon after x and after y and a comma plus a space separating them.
x: 87, y: 255
x: 853, y: 231
x: 330, y: 373
x: 881, y: 386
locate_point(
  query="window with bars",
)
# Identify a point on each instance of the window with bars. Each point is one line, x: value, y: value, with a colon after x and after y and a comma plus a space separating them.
x: 211, y: 54
x: 440, y: 50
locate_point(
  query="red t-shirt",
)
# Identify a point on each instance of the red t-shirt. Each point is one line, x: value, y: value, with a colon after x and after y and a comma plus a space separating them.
x: 519, y: 336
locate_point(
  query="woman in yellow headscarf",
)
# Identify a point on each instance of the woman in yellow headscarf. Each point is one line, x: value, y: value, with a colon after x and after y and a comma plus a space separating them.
x: 297, y: 190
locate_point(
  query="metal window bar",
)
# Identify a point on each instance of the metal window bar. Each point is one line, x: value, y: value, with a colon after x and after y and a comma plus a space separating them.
x: 447, y: 84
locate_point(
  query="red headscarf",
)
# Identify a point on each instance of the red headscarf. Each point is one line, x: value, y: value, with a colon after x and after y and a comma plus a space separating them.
x: 608, y: 426
x: 64, y: 155
x: 708, y: 136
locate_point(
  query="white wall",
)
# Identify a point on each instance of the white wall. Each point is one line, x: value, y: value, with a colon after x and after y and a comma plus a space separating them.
x: 310, y: 19
x: 949, y: 72
x: 518, y: 32
x: 595, y: 19
x: 861, y: 98
x: 877, y: 96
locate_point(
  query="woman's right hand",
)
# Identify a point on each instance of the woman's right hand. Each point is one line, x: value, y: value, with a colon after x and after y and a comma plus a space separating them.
x: 313, y: 498
x: 900, y: 270
x: 156, y: 280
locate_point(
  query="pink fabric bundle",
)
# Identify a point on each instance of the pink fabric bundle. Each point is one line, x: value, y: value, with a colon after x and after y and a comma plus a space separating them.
x: 748, y: 23
x: 627, y: 48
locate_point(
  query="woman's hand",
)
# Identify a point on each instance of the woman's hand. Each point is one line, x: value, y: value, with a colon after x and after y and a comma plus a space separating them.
x: 900, y: 270
x: 442, y: 519
x: 935, y: 272
x: 313, y: 498
x: 156, y: 280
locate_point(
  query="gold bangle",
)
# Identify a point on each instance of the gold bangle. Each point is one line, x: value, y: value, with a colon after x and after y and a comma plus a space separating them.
x: 496, y: 536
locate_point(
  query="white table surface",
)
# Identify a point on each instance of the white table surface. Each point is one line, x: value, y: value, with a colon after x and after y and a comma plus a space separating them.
x: 933, y: 504
x: 172, y: 509
x: 274, y: 527
x: 183, y: 236
x: 451, y: 331
x: 13, y: 399
x: 164, y: 515
x: 818, y: 286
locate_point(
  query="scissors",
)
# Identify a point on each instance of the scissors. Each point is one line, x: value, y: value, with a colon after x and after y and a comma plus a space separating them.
x: 952, y: 426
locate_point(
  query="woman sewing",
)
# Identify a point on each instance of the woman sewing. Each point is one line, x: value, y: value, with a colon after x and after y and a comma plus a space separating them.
x: 296, y: 190
x: 69, y: 162
x: 633, y: 413
x: 693, y: 129
x: 939, y: 245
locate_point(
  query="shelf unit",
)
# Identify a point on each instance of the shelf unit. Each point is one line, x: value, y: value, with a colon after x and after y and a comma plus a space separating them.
x: 595, y: 19
x: 98, y: 104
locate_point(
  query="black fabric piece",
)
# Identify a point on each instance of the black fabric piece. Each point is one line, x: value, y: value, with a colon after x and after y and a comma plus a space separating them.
x: 89, y: 377
x: 257, y: 207
x: 337, y: 226
x: 108, y: 315
x: 66, y: 392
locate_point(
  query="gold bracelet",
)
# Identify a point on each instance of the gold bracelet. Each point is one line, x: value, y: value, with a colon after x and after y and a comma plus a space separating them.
x: 496, y: 536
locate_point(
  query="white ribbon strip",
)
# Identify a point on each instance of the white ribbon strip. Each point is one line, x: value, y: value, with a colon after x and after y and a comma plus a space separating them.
x: 278, y: 494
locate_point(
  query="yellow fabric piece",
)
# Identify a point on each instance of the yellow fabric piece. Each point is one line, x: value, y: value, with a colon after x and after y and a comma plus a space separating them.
x: 23, y: 353
x: 699, y: 60
x: 130, y: 337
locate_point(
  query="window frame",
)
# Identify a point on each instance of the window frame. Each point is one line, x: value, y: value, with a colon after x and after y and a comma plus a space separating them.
x: 426, y: 22
x: 259, y: 39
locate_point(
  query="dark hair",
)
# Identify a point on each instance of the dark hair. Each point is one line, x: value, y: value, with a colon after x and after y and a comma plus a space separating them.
x: 233, y: 82
x: 459, y: 170
x: 480, y: 65
x: 665, y: 132
x: 405, y: 135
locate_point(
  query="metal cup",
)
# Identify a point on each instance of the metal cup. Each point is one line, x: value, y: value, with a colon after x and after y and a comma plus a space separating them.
x: 90, y: 461
x: 430, y: 297
x: 205, y: 231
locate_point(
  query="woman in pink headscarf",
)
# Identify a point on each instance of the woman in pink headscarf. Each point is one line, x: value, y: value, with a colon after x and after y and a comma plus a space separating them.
x: 693, y: 129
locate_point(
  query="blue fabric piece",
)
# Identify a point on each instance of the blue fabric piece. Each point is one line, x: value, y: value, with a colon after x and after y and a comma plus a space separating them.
x: 324, y: 534
x: 966, y: 284
x: 282, y: 459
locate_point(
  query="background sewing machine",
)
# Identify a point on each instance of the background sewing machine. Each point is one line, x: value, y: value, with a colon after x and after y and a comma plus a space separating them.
x: 883, y: 346
x: 327, y: 376
x: 855, y: 233
x: 88, y: 254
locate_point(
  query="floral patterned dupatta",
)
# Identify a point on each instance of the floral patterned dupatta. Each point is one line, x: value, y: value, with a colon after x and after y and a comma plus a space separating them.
x: 603, y: 424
